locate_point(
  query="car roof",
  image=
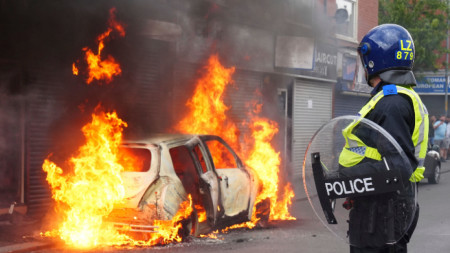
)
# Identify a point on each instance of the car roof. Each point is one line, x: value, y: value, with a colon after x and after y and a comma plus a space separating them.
x: 160, y: 138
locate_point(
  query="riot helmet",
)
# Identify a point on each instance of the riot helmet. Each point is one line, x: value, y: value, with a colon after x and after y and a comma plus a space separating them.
x: 387, y: 47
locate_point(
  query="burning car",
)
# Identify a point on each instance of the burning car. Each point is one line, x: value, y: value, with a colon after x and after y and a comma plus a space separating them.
x: 172, y: 167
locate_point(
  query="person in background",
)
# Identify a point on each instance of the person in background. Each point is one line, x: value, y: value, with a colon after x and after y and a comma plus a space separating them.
x: 431, y: 131
x: 439, y: 135
x: 447, y: 138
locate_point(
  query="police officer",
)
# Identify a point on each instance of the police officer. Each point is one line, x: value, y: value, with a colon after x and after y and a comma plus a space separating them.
x: 387, y: 55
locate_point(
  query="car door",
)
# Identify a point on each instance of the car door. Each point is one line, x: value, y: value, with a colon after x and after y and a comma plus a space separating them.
x: 235, y: 182
x: 208, y: 182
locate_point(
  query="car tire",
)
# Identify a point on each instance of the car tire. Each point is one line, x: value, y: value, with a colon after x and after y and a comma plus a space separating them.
x: 263, y: 212
x: 195, y: 224
x: 436, y: 176
x: 189, y: 226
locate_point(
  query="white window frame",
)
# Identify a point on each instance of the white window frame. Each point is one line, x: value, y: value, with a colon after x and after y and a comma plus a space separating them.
x: 352, y: 38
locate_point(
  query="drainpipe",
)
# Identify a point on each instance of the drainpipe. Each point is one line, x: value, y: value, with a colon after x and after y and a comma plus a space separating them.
x: 446, y: 67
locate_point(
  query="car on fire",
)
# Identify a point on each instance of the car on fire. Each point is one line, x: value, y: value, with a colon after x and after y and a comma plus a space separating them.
x: 173, y: 166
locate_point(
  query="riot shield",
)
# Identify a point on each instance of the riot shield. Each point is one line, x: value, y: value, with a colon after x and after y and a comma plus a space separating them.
x: 369, y: 204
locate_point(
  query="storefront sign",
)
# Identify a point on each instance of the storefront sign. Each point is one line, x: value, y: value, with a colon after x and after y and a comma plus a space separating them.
x: 431, y: 85
x: 294, y: 52
x: 306, y: 56
x: 325, y: 61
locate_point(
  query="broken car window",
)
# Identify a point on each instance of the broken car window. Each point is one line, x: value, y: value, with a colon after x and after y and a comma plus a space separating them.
x: 201, y: 158
x: 135, y: 159
x: 222, y: 157
x: 184, y: 168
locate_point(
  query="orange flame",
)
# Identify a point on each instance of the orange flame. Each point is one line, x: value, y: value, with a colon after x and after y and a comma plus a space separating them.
x: 105, y: 69
x: 208, y: 100
x: 168, y: 230
x: 74, y: 69
x: 265, y: 161
x: 201, y: 213
x: 212, y: 235
x: 88, y: 194
x: 207, y: 115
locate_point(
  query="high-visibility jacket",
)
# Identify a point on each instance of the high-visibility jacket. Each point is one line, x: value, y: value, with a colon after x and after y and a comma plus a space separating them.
x: 355, y: 150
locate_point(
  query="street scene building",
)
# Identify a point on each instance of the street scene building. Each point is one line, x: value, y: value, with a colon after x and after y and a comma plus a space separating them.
x: 302, y: 64
x: 295, y: 59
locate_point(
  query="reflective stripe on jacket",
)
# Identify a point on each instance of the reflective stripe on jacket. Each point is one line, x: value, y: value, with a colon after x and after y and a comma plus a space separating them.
x: 355, y: 150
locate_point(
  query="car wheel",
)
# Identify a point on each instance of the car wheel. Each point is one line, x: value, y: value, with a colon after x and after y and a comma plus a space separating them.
x: 263, y: 212
x: 436, y: 176
x: 189, y: 226
x: 195, y: 225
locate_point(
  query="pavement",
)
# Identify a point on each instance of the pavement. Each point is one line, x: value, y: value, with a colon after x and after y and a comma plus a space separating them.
x: 20, y: 233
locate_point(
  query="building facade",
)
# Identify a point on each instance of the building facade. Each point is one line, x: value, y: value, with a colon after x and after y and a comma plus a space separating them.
x: 300, y: 55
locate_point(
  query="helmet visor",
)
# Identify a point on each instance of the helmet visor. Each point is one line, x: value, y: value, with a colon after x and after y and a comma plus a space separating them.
x: 360, y: 73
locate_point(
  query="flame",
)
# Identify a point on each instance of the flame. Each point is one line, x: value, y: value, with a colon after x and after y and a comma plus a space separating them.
x: 87, y: 195
x: 168, y: 230
x: 212, y: 235
x: 207, y: 100
x: 74, y: 69
x: 90, y: 192
x: 207, y: 115
x: 201, y: 213
x: 98, y: 69
x: 265, y: 161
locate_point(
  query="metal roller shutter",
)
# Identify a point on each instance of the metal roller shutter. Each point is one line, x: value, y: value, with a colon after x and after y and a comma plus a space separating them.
x: 151, y: 90
x: 185, y: 75
x: 243, y: 92
x: 311, y: 109
x: 435, y: 104
x: 348, y: 104
x: 41, y: 112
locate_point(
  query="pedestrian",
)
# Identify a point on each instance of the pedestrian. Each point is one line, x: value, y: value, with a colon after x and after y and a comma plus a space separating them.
x: 439, y: 135
x: 387, y: 55
x: 447, y: 138
x: 431, y: 130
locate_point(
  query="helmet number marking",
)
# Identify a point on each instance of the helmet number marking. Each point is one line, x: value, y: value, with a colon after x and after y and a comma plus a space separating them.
x: 406, y: 50
x: 406, y: 43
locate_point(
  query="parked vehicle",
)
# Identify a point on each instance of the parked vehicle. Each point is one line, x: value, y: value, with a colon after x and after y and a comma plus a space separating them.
x: 173, y: 166
x: 433, y: 165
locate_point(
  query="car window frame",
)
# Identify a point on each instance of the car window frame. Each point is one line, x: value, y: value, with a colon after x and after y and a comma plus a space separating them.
x: 206, y: 138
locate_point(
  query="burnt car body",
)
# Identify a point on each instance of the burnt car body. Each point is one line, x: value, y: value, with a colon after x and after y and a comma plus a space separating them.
x: 432, y: 165
x: 173, y: 166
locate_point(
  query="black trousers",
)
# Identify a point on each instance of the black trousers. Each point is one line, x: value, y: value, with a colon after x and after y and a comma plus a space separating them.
x: 399, y: 247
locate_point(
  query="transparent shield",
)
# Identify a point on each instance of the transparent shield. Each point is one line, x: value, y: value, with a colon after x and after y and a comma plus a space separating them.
x: 370, y: 203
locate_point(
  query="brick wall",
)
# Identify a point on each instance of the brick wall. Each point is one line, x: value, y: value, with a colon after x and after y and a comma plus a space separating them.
x: 367, y: 16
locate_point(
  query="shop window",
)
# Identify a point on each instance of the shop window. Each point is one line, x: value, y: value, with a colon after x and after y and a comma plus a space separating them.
x: 347, y: 27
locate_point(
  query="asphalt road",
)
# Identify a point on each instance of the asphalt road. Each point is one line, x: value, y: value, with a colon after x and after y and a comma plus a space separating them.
x: 308, y: 235
x: 433, y: 229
